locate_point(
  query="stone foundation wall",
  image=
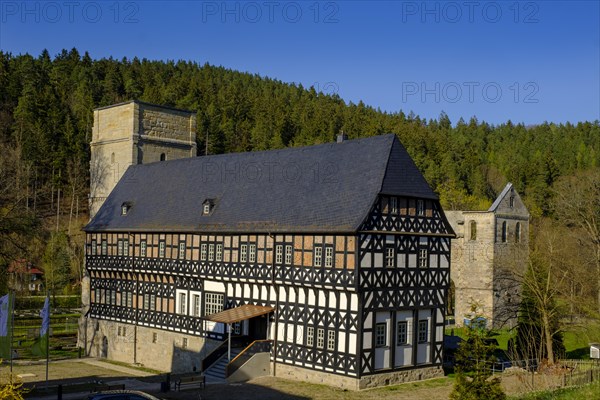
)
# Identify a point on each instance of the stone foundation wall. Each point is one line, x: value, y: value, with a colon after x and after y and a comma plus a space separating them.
x: 366, y: 382
x: 154, y: 348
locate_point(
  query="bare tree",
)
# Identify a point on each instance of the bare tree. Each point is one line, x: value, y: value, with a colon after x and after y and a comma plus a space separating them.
x: 577, y: 205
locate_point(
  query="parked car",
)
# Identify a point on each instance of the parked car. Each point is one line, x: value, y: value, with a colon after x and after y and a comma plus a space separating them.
x: 121, y: 395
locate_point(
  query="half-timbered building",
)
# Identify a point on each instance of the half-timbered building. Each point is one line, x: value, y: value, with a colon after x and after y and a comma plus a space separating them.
x: 337, y: 255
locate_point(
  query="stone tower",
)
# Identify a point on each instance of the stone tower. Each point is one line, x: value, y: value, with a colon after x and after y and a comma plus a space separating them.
x: 126, y: 134
x: 135, y: 133
x: 490, y: 247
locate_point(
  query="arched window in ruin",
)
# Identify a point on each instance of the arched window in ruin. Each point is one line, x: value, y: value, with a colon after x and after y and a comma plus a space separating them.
x: 473, y: 230
x: 163, y: 156
x: 112, y: 158
x: 518, y: 232
x: 504, y: 232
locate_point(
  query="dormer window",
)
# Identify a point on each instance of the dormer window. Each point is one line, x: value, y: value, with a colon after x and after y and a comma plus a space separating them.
x: 125, y: 208
x: 207, y: 206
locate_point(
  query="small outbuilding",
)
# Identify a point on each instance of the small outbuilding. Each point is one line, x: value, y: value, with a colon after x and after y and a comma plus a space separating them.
x: 595, y: 350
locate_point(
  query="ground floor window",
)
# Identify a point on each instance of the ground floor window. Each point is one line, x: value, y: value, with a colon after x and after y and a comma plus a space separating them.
x: 380, y: 334
x: 423, y: 331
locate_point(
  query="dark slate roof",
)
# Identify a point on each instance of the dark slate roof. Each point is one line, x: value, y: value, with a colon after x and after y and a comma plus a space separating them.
x: 324, y: 188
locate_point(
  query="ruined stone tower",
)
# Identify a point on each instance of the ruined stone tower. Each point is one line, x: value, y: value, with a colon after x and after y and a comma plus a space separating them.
x: 135, y: 133
x: 490, y: 249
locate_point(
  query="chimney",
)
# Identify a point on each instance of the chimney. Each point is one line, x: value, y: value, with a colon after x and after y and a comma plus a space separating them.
x: 342, y: 137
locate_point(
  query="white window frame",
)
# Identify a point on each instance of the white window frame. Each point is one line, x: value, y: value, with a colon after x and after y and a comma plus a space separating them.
x: 153, y: 302
x: 390, y: 257
x: 182, y: 303
x: 320, y: 338
x: 252, y: 253
x: 244, y: 253
x: 331, y: 339
x: 146, y: 301
x: 206, y: 208
x: 423, y: 331
x: 104, y: 247
x: 129, y: 299
x: 213, y: 302
x: 288, y: 254
x: 318, y: 256
x: 182, y: 249
x: 143, y: 248
x: 211, y: 252
x: 203, y: 248
x: 422, y: 257
x: 161, y: 248
x: 196, y: 305
x: 328, y: 256
x: 381, y: 334
x: 219, y: 253
x: 93, y: 248
x: 126, y: 247
x: 393, y: 205
x: 402, y: 333
x: 420, y: 208
x: 279, y: 254
x: 120, y: 247
x: 310, y: 336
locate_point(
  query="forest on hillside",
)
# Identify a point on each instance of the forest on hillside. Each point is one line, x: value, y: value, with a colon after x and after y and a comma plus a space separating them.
x: 46, y: 104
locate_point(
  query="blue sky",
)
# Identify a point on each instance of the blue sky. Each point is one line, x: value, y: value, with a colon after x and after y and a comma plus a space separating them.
x: 527, y: 61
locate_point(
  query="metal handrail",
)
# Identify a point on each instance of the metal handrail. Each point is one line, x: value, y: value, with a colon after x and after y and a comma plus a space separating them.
x: 258, y: 346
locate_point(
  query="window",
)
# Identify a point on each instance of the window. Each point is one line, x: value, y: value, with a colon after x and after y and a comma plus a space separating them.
x: 93, y: 248
x: 310, y: 336
x: 206, y: 209
x: 320, y: 338
x: 154, y: 337
x: 252, y: 255
x: 328, y: 256
x: 207, y: 206
x: 380, y: 334
x: 113, y: 297
x: 152, y: 302
x: 278, y: 254
x: 126, y: 247
x: 504, y: 232
x: 143, y: 247
x: 518, y: 232
x: 196, y: 305
x: 182, y: 303
x: 161, y: 248
x: 288, y: 255
x: 318, y: 256
x: 402, y: 333
x: 423, y: 325
x: 104, y: 248
x: 119, y: 247
x: 124, y: 209
x: 244, y: 253
x: 184, y: 343
x: 390, y: 257
x: 420, y: 207
x: 511, y: 202
x: 163, y: 156
x: 211, y: 252
x: 213, y: 303
x: 146, y: 301
x: 203, y: 252
x: 422, y: 258
x: 219, y: 256
x: 237, y: 328
x: 473, y: 230
x: 181, y: 249
x: 331, y: 339
x: 112, y: 158
x: 393, y: 205
x: 129, y: 299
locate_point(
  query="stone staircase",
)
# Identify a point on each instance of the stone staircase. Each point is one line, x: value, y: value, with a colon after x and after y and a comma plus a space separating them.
x: 216, y: 372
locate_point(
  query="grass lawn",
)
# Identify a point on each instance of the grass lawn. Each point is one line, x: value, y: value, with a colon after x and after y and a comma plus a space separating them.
x: 589, y: 392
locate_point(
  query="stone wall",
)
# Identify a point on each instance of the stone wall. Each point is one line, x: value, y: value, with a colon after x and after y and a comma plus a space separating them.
x: 155, y: 348
x: 365, y: 382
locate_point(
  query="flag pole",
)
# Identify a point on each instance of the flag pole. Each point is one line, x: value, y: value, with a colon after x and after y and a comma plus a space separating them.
x: 12, y: 327
x: 47, y: 338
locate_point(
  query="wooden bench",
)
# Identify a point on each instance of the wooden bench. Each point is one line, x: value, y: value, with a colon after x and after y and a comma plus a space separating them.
x: 191, y: 380
x: 104, y: 387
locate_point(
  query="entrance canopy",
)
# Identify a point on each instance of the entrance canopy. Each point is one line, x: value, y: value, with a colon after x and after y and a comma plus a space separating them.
x: 238, y: 314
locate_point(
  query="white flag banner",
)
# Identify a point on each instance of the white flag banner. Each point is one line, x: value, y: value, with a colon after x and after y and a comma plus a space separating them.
x: 4, y: 315
x: 45, y: 314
